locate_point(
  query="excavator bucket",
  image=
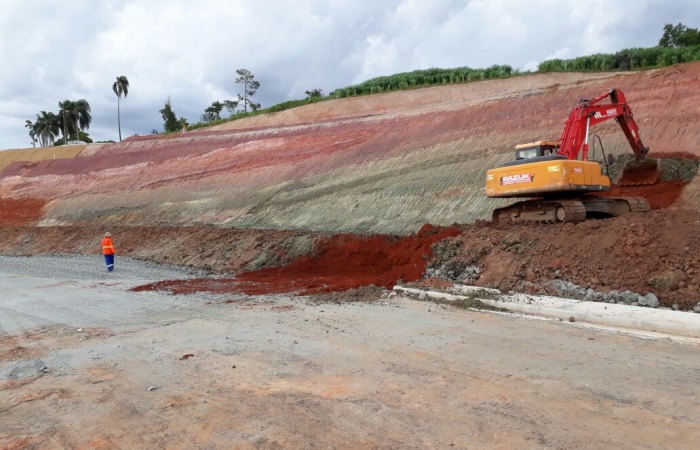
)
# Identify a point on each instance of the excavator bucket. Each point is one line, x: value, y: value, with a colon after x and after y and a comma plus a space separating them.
x: 637, y: 173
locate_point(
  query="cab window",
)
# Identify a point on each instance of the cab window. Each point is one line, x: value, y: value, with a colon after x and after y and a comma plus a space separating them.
x: 527, y: 153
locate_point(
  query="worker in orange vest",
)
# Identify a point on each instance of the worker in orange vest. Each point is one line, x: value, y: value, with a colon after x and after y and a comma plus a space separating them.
x: 108, y: 251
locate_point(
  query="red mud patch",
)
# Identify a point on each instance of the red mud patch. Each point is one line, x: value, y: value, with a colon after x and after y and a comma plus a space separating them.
x: 660, y: 195
x: 344, y: 262
x: 20, y: 212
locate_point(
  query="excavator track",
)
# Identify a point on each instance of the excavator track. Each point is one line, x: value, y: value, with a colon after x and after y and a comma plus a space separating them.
x: 568, y: 210
x: 613, y: 206
x: 637, y: 204
x: 541, y: 211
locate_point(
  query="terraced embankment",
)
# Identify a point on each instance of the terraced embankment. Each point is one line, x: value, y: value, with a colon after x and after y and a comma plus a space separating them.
x: 387, y: 163
x: 35, y: 155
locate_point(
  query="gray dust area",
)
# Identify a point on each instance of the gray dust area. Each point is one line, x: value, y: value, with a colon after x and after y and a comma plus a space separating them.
x: 82, y: 267
x: 77, y: 290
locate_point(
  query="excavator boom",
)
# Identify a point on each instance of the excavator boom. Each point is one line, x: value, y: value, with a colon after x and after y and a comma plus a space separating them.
x: 573, y: 142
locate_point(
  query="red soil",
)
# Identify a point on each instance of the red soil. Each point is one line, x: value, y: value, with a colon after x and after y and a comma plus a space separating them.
x: 660, y: 195
x: 20, y: 212
x: 345, y: 262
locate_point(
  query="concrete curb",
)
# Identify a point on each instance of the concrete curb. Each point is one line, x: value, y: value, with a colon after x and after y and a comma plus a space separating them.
x: 674, y: 323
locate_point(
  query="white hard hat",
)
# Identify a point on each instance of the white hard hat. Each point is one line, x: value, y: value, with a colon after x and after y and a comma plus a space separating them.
x: 107, y: 234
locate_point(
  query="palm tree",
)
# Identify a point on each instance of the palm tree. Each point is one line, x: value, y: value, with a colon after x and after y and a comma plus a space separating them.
x: 82, y: 117
x: 121, y: 86
x: 49, y: 126
x: 75, y: 117
x: 66, y: 106
x: 30, y: 126
x: 46, y: 128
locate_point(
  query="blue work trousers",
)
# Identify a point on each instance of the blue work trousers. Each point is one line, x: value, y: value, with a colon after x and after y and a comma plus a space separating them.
x: 109, y: 260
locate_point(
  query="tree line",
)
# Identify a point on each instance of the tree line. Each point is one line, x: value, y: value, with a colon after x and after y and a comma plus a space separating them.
x: 678, y: 44
x: 71, y: 120
x: 212, y: 113
x: 73, y: 117
x: 628, y: 59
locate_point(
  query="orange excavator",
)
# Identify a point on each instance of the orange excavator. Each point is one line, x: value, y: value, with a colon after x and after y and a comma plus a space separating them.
x: 559, y: 180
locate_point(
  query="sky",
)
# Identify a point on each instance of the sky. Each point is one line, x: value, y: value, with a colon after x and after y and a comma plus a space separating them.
x: 189, y: 50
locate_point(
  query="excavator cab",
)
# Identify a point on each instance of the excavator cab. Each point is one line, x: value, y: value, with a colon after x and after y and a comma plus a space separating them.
x: 535, y: 152
x: 535, y: 149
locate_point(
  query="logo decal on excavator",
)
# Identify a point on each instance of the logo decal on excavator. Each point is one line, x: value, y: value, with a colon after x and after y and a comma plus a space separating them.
x: 610, y: 112
x: 519, y: 178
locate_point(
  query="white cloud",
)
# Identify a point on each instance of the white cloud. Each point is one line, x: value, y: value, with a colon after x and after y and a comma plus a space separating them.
x: 380, y: 56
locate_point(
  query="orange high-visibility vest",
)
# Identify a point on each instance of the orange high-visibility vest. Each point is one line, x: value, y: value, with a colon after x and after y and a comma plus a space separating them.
x: 107, y: 246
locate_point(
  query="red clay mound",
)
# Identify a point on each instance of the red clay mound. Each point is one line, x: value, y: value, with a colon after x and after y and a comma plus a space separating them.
x: 659, y: 179
x: 343, y: 262
x: 660, y: 195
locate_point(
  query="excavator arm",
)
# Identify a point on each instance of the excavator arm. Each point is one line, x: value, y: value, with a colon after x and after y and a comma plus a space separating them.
x: 573, y: 142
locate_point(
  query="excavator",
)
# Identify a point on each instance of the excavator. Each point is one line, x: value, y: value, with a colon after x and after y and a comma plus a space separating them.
x: 558, y: 179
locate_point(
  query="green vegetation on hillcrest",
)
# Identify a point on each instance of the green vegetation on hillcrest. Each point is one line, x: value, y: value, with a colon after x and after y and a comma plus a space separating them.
x: 678, y: 44
x: 628, y: 59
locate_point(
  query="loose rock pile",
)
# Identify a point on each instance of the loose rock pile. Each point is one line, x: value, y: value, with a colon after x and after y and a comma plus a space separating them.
x: 649, y: 259
x: 570, y: 290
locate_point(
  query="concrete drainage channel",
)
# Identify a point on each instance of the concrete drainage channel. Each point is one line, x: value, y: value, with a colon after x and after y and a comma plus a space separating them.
x: 640, y: 320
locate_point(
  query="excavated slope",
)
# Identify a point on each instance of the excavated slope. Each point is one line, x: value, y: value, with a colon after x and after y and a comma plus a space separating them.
x: 386, y: 163
x: 7, y: 157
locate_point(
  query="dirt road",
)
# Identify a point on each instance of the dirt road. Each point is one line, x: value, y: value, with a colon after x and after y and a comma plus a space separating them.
x: 151, y: 370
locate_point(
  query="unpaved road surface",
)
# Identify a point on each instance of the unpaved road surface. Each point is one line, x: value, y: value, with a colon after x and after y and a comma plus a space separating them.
x: 96, y: 366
